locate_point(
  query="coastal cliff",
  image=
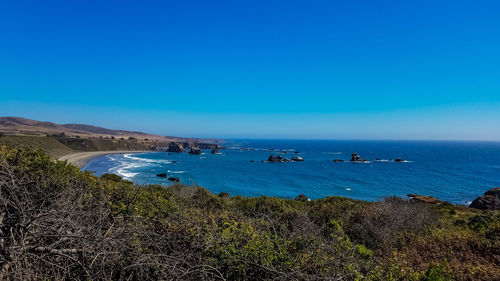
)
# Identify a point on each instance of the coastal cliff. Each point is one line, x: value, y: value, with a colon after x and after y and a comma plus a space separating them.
x: 59, y: 140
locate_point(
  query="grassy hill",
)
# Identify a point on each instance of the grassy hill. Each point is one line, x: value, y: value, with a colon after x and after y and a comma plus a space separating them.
x: 58, y: 146
x: 63, y: 139
x: 50, y: 145
x: 28, y: 127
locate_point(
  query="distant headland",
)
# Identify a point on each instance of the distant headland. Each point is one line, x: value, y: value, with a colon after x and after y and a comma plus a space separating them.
x: 78, y: 143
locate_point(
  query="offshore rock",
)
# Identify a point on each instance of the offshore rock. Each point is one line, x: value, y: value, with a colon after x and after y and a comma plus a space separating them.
x: 175, y: 147
x: 275, y: 159
x: 302, y: 197
x: 355, y: 158
x: 195, y: 151
x: 489, y: 201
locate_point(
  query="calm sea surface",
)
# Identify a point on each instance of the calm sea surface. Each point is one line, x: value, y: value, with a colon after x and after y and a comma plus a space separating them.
x: 454, y: 171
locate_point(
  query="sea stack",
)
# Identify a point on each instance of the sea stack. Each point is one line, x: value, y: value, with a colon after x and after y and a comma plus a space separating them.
x: 175, y: 147
x: 355, y: 158
x: 302, y: 197
x: 275, y: 159
x: 195, y: 151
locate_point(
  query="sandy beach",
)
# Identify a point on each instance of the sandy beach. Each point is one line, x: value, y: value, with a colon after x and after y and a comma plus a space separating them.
x: 80, y: 159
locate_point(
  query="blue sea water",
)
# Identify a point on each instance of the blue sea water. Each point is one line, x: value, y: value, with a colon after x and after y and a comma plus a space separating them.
x: 453, y: 171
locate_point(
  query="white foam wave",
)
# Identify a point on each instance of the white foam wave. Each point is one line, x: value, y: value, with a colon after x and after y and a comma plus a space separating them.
x: 162, y: 161
x: 126, y: 174
x: 176, y: 172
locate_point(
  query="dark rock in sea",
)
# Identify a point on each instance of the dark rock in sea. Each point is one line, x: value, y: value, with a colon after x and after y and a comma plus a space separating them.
x: 174, y: 179
x: 298, y: 158
x: 399, y: 160
x: 355, y: 158
x: 195, y: 151
x: 275, y: 159
x: 378, y: 159
x: 286, y: 160
x: 283, y: 152
x: 173, y: 162
x: 224, y: 195
x: 338, y: 160
x: 296, y: 152
x: 252, y: 160
x: 175, y: 147
x: 489, y: 201
x: 302, y: 197
x: 215, y: 150
x: 162, y: 175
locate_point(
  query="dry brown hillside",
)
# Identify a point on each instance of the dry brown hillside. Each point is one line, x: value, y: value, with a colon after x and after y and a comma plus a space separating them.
x: 23, y: 126
x: 62, y: 139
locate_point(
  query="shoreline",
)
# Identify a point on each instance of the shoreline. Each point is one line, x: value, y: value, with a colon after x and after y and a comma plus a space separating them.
x: 80, y: 159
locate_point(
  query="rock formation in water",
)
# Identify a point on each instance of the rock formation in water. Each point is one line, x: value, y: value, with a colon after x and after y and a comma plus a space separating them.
x: 489, y: 201
x: 275, y: 158
x: 355, y: 158
x: 175, y: 147
x: 195, y: 151
x: 302, y: 197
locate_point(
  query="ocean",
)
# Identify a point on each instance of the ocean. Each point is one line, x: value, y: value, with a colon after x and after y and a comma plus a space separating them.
x: 457, y: 172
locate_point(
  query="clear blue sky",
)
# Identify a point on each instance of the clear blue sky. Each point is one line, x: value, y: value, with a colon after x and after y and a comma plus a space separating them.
x: 277, y: 69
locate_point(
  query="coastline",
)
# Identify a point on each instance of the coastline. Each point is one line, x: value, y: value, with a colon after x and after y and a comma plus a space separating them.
x: 80, y: 159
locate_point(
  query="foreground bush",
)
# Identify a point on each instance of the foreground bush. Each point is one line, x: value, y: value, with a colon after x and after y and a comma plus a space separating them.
x: 59, y: 223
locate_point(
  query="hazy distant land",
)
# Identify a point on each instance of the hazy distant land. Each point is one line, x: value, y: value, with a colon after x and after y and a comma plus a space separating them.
x: 78, y: 143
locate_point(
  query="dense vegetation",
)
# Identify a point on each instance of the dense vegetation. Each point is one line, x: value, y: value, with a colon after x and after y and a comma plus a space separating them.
x: 60, y: 223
